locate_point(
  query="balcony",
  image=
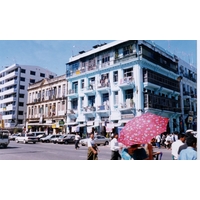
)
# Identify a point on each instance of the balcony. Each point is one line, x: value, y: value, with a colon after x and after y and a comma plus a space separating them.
x: 10, y: 91
x: 10, y: 125
x: 10, y: 107
x: 128, y: 105
x: 126, y: 82
x: 9, y: 99
x: 9, y: 83
x: 90, y: 90
x: 103, y: 109
x: 161, y: 103
x: 11, y: 116
x: 72, y: 93
x: 103, y: 86
x: 72, y: 113
x: 11, y: 75
x: 89, y: 111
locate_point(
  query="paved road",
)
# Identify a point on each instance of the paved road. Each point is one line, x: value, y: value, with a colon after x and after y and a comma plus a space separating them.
x: 49, y: 151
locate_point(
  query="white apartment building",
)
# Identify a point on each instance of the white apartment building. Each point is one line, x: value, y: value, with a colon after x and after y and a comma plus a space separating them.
x: 112, y: 83
x: 47, y: 105
x: 14, y: 82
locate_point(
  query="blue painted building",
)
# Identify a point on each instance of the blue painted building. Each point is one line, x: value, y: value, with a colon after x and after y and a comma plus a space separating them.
x: 112, y: 83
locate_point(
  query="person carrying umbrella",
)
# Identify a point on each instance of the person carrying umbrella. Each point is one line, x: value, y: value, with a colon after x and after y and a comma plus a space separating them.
x: 134, y: 152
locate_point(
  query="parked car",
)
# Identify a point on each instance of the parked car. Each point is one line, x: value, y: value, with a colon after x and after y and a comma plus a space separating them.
x: 55, y: 138
x: 48, y: 138
x: 13, y: 136
x: 99, y: 140
x: 39, y: 134
x: 70, y: 138
x: 26, y: 138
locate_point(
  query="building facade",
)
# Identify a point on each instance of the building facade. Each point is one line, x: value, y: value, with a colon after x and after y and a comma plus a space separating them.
x: 14, y: 82
x: 112, y: 83
x: 47, y: 105
x: 188, y: 79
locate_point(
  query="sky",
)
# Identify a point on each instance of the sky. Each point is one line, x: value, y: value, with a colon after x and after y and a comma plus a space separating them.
x: 54, y: 54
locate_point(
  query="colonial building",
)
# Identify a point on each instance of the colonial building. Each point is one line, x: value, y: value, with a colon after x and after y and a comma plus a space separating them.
x: 46, y: 105
x: 188, y: 79
x: 14, y: 82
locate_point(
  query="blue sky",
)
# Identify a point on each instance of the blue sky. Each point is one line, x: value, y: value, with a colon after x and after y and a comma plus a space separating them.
x: 53, y: 54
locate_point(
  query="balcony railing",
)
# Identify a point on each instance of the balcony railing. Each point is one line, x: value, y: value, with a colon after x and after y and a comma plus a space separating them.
x: 162, y: 103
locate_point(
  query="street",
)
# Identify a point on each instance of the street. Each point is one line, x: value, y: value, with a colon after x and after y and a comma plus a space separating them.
x: 50, y: 151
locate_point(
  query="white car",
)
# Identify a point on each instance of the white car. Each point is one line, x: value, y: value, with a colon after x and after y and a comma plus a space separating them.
x: 99, y: 140
x: 26, y: 138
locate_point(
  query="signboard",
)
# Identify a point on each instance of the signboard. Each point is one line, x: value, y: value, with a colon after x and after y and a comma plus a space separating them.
x: 61, y: 123
x: 190, y: 119
x: 53, y: 125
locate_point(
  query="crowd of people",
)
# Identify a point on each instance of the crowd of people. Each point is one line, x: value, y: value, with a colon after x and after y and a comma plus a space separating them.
x: 183, y: 146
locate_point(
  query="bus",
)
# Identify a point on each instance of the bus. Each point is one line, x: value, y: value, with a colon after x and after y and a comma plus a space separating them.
x: 4, y: 138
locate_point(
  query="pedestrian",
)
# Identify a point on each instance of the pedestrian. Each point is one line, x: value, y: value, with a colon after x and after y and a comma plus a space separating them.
x: 149, y: 150
x: 114, y: 147
x: 189, y: 153
x: 168, y: 141
x: 92, y: 148
x: 158, y: 140
x: 95, y: 133
x: 134, y: 152
x: 163, y: 140
x: 77, y: 138
x: 175, y: 145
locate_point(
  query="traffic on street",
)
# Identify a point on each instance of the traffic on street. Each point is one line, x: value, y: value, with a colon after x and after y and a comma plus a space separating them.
x: 51, y: 151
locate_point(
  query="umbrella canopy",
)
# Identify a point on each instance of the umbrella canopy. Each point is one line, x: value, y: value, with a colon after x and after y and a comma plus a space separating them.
x: 142, y: 129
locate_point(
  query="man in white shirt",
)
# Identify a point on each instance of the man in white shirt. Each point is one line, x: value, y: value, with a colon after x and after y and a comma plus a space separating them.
x: 92, y: 148
x: 158, y: 140
x: 114, y: 147
x: 175, y: 146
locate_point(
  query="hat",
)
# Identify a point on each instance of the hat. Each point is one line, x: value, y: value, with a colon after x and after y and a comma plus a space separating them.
x: 189, y: 131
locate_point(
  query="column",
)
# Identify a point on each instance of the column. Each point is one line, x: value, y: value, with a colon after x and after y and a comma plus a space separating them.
x: 139, y: 99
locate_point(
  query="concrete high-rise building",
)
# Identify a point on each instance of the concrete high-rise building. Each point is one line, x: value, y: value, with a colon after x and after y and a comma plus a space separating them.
x: 14, y: 81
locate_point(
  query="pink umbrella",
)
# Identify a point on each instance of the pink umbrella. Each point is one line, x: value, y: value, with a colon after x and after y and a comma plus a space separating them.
x: 142, y: 129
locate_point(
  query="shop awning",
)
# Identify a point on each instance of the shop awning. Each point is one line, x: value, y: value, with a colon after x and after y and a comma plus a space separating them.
x: 71, y: 123
x: 81, y: 125
x: 38, y: 124
x: 90, y: 123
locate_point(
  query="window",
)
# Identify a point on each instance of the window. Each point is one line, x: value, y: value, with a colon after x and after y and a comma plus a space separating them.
x: 115, y: 76
x: 22, y: 87
x: 127, y: 50
x: 115, y: 98
x: 22, y: 79
x: 129, y: 94
x: 21, y: 95
x: 32, y: 73
x: 82, y: 83
x: 42, y: 75
x: 51, y: 76
x: 105, y: 97
x: 20, y: 113
x: 32, y: 80
x: 21, y: 104
x: 23, y: 71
